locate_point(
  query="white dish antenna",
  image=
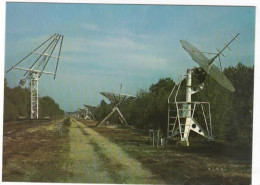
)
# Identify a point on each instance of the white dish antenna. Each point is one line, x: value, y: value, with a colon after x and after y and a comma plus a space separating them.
x: 116, y: 100
x: 182, y: 115
x: 208, y: 64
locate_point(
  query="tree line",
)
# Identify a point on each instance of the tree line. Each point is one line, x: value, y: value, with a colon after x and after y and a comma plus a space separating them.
x: 232, y: 113
x: 17, y: 102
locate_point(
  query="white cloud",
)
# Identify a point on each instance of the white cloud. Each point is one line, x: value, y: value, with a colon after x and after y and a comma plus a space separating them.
x: 87, y: 45
x: 111, y: 54
x: 117, y: 51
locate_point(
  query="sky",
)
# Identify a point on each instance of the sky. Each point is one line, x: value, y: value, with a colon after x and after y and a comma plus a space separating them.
x: 134, y: 45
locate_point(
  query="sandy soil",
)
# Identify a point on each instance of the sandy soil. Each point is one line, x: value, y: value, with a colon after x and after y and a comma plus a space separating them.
x: 94, y: 159
x: 36, y: 152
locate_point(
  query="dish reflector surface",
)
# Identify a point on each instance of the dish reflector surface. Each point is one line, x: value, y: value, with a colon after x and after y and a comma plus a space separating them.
x: 203, y: 62
x: 117, y: 98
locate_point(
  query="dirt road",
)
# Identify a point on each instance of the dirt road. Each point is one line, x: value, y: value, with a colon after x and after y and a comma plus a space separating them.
x: 94, y: 159
x: 37, y: 152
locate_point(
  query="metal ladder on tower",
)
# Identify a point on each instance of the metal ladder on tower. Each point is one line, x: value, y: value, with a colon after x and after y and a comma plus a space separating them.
x: 173, y: 117
x: 181, y: 114
x: 178, y: 114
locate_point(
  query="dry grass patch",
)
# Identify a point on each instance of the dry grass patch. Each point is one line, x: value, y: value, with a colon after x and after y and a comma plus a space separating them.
x: 36, y: 156
x: 202, y: 163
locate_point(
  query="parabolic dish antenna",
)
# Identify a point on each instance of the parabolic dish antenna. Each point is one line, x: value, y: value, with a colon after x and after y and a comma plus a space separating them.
x: 90, y: 110
x: 207, y: 64
x: 90, y: 107
x: 117, y: 99
x: 182, y: 114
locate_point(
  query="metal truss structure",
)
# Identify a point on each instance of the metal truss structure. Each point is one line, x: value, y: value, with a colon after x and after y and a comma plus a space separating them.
x: 44, y: 53
x: 181, y: 115
x: 116, y: 100
x: 89, y: 112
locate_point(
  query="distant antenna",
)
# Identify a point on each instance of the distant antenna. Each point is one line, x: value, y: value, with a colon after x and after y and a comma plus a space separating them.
x: 181, y: 115
x: 121, y: 85
x: 82, y: 112
x: 116, y: 100
x: 35, y: 71
x: 89, y: 112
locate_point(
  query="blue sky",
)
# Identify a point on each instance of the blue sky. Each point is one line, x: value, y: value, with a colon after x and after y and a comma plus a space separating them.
x: 106, y: 45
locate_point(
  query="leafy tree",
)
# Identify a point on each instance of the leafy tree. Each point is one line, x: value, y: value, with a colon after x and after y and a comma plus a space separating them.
x: 232, y: 113
x: 17, y: 103
x: 242, y: 78
x: 48, y: 107
x: 166, y: 84
x: 102, y: 110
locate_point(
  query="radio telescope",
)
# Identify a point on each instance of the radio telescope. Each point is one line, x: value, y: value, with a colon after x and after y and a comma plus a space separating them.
x: 44, y: 53
x: 116, y: 100
x: 89, y: 112
x: 82, y: 112
x: 181, y: 115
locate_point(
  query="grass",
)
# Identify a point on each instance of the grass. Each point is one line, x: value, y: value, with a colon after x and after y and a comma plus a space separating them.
x: 201, y: 163
x: 108, y: 165
x: 35, y: 156
x: 38, y: 153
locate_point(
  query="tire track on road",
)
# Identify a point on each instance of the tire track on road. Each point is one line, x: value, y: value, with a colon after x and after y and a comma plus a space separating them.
x: 84, y: 165
x: 96, y: 159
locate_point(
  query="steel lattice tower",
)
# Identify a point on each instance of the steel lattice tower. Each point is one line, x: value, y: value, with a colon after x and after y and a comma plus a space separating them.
x: 44, y: 52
